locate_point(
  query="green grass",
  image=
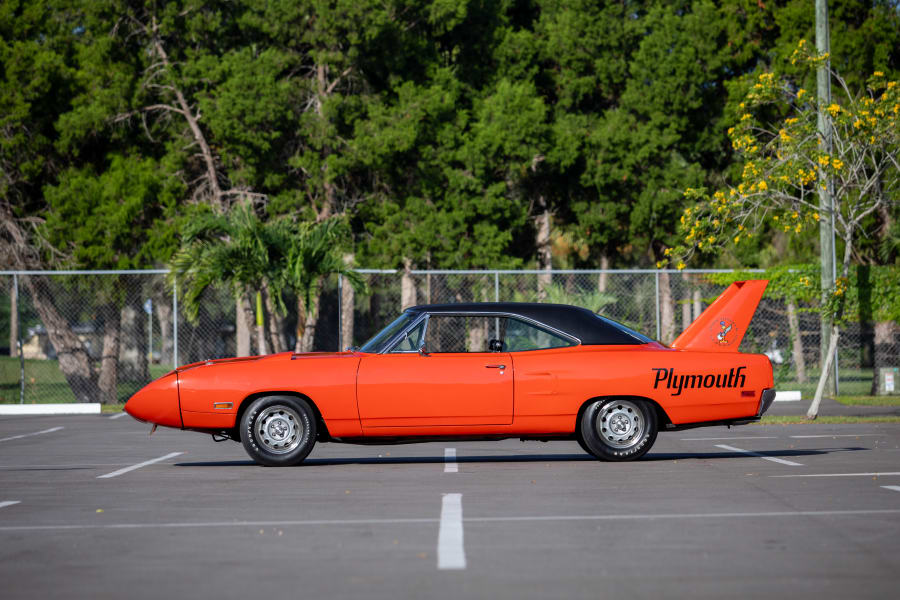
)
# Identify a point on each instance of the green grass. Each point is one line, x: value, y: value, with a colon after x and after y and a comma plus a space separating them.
x: 869, y: 400
x: 852, y: 382
x: 45, y: 383
x: 824, y: 420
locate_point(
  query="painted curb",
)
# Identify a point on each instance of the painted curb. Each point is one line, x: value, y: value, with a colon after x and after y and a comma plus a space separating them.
x: 83, y: 408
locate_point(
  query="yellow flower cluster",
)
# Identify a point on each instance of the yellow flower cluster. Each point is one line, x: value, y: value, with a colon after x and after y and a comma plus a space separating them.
x: 775, y: 167
x: 806, y: 177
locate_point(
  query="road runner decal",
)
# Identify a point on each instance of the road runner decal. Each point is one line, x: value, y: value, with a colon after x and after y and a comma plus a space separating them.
x: 724, y: 332
x: 733, y: 379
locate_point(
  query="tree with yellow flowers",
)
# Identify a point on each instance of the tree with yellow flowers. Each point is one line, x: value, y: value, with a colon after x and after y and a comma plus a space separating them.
x: 783, y: 164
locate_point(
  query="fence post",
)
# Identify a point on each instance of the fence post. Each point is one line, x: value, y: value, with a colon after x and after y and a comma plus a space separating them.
x: 18, y: 334
x: 657, y: 306
x: 496, y: 286
x: 340, y: 302
x: 174, y: 324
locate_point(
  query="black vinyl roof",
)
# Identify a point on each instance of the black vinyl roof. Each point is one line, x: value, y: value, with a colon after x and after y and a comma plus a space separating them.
x: 590, y: 328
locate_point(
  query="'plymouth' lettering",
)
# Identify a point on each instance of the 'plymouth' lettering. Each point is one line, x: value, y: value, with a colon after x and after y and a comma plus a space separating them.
x: 671, y: 381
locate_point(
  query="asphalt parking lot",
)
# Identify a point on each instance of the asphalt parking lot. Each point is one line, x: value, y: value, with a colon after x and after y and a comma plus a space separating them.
x: 93, y: 507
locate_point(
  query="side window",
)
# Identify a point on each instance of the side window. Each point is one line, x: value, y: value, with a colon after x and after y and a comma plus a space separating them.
x: 524, y: 336
x: 412, y: 341
x: 457, y: 333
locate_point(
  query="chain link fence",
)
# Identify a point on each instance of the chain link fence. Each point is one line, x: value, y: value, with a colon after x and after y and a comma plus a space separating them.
x: 101, y: 335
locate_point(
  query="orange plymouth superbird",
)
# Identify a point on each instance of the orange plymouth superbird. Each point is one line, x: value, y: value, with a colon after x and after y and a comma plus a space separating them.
x: 479, y: 371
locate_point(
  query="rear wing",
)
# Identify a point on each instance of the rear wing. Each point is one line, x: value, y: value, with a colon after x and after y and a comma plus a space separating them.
x: 723, y: 324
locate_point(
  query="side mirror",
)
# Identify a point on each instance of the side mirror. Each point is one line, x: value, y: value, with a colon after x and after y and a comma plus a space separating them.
x: 495, y: 346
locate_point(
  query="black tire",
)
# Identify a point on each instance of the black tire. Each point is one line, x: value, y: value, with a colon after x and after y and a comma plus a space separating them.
x: 618, y: 429
x: 278, y: 431
x: 581, y: 443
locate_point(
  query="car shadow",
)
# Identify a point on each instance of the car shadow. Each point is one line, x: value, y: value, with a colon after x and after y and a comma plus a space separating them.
x: 520, y: 458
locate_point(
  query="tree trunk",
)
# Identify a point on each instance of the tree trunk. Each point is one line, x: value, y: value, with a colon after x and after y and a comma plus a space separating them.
x: 603, y: 279
x: 347, y: 301
x: 310, y: 319
x: 109, y: 361
x: 478, y: 332
x: 243, y: 320
x: 813, y: 411
x: 13, y: 317
x: 163, y: 307
x: 825, y: 375
x: 542, y: 244
x: 686, y: 302
x: 133, y: 342
x: 796, y: 342
x: 260, y: 325
x: 698, y: 304
x: 74, y: 361
x: 407, y: 287
x: 277, y: 337
x: 666, y: 309
x: 886, y: 355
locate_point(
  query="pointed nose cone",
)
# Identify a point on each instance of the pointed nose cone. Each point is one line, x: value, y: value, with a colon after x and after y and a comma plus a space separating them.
x: 157, y: 402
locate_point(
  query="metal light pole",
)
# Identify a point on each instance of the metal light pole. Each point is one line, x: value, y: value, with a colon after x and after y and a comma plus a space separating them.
x: 826, y: 198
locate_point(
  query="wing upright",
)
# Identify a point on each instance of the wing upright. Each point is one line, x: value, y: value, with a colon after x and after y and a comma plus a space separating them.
x: 723, y: 324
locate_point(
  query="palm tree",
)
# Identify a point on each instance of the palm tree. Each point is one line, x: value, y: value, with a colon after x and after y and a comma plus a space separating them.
x: 314, y: 255
x: 236, y: 249
x: 239, y: 250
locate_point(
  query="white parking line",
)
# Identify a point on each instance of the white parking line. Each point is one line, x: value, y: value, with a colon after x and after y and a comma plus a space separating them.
x: 450, y: 464
x: 716, y: 439
x: 139, y: 465
x: 6, y: 503
x: 780, y: 461
x: 895, y: 488
x: 5, y: 467
x: 118, y: 415
x: 420, y: 521
x: 835, y: 435
x: 841, y: 474
x: 451, y: 554
x: 25, y: 435
x: 677, y: 516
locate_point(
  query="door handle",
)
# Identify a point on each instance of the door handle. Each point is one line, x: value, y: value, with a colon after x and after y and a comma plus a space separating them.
x: 494, y: 366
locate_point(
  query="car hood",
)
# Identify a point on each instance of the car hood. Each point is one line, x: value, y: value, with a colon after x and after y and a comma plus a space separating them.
x: 267, y: 357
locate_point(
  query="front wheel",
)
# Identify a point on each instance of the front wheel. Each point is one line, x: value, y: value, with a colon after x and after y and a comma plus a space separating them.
x: 617, y: 429
x: 278, y: 431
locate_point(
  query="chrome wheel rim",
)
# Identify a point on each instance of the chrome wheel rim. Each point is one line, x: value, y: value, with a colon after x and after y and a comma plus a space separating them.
x: 620, y: 424
x: 278, y: 429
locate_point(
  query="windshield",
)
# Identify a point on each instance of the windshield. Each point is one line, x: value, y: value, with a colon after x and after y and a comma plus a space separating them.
x: 376, y: 344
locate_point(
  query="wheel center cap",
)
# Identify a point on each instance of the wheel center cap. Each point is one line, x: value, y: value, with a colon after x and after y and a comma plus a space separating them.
x: 620, y: 424
x: 278, y: 429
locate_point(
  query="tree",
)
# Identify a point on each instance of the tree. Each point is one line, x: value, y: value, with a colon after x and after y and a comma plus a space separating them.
x: 783, y: 165
x: 236, y: 249
x: 313, y: 255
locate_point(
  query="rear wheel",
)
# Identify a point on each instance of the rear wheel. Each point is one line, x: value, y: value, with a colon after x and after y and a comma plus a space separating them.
x: 278, y: 431
x: 618, y: 429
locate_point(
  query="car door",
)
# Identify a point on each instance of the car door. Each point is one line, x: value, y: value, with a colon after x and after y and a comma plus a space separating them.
x: 455, y: 380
